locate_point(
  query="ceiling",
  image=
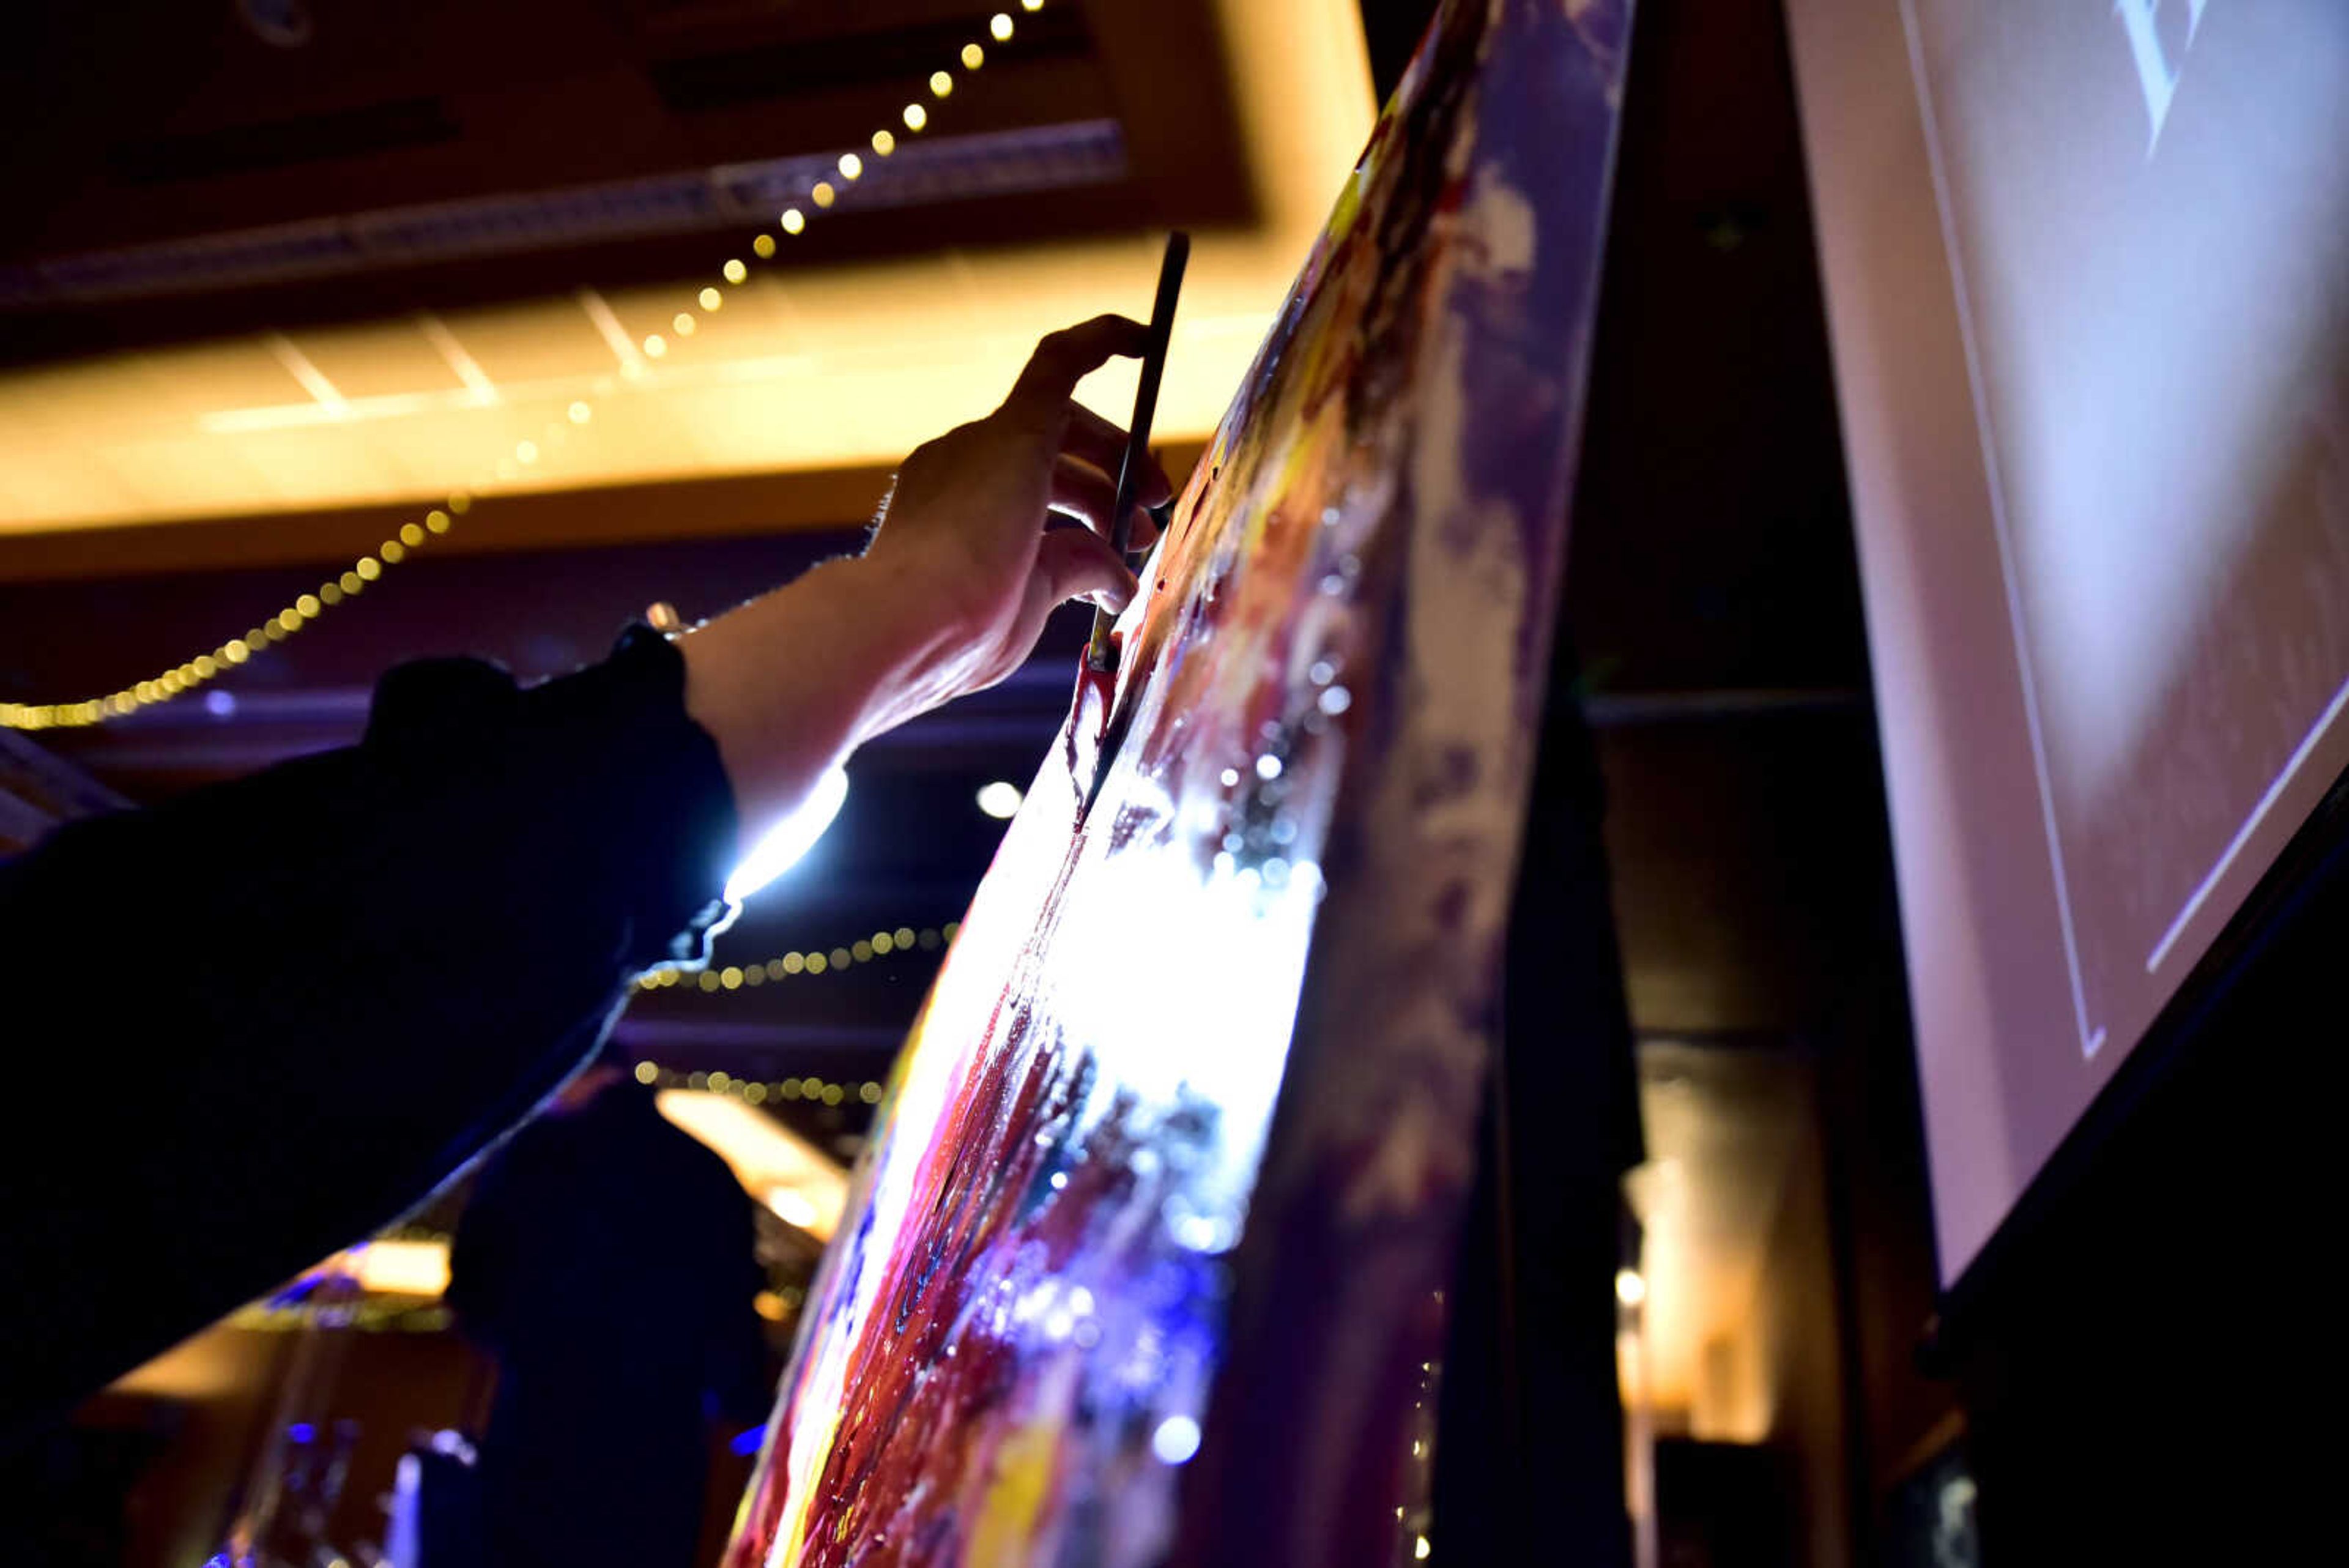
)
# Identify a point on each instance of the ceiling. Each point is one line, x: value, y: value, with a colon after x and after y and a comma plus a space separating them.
x: 401, y: 258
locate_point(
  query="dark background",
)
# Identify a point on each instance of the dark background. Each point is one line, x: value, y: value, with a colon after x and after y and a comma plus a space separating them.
x: 2134, y: 1375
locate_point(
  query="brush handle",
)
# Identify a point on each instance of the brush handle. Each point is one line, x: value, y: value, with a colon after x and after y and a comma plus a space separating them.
x: 1100, y: 654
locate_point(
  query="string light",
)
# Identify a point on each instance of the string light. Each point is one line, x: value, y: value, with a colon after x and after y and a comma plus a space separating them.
x: 785, y: 966
x: 206, y: 667
x: 763, y: 1091
x: 439, y: 519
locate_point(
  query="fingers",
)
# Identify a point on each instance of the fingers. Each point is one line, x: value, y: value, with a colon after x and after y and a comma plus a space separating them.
x: 1075, y: 563
x: 1082, y: 492
x: 1066, y: 358
x: 1102, y: 443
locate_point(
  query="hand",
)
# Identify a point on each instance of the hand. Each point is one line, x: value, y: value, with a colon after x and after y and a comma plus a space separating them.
x: 948, y: 598
x: 963, y: 528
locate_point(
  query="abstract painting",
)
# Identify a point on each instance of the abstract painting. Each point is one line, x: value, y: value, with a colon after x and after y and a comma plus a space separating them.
x: 1146, y: 1256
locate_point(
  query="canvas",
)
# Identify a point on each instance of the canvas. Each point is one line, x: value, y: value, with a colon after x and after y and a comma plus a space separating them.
x: 1147, y: 1255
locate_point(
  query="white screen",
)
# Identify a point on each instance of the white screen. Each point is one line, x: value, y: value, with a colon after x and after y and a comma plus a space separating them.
x: 2088, y: 280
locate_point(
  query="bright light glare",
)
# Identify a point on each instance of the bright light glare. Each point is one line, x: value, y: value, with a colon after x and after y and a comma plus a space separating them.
x: 790, y: 838
x: 769, y: 1160
x: 793, y: 1206
x: 1176, y: 1440
x: 1000, y: 800
x: 403, y: 1268
x: 1630, y: 1288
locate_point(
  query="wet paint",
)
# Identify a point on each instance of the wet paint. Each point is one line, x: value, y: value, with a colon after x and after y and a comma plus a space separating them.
x: 1144, y: 1259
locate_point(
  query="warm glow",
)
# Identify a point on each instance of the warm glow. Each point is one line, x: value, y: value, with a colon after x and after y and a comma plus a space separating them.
x: 847, y: 365
x: 402, y: 1268
x: 767, y: 1157
x: 792, y: 1207
x: 1630, y: 1288
x: 1001, y: 25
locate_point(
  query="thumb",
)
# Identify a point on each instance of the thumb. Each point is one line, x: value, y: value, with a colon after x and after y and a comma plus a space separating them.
x: 1077, y: 562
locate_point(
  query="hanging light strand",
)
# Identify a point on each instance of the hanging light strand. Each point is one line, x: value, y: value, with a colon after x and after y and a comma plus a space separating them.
x: 762, y: 1092
x: 360, y: 576
x: 717, y: 978
x: 437, y: 522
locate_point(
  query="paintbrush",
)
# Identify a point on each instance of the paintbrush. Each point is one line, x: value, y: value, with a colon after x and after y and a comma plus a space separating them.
x: 1101, y: 653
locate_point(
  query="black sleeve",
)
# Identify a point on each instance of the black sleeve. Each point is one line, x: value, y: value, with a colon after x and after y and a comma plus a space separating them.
x: 249, y: 1027
x: 481, y: 1254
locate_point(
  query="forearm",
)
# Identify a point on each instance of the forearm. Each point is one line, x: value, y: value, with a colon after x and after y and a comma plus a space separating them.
x: 790, y: 683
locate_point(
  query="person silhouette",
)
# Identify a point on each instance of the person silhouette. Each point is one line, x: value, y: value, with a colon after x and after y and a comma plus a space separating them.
x: 606, y: 1261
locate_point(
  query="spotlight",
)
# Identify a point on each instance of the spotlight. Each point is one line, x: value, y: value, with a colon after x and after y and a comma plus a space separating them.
x: 1000, y: 800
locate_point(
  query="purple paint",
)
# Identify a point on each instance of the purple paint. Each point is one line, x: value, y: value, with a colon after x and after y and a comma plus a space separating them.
x: 1148, y: 1246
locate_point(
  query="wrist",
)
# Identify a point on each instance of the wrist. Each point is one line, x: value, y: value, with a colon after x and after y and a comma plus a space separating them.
x: 900, y: 642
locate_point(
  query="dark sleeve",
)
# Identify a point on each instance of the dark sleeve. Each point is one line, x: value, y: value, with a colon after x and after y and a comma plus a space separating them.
x: 481, y: 1254
x: 250, y: 1026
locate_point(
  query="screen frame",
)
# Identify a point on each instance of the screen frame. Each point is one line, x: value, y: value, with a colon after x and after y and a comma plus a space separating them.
x: 2316, y: 860
x: 1904, y: 372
